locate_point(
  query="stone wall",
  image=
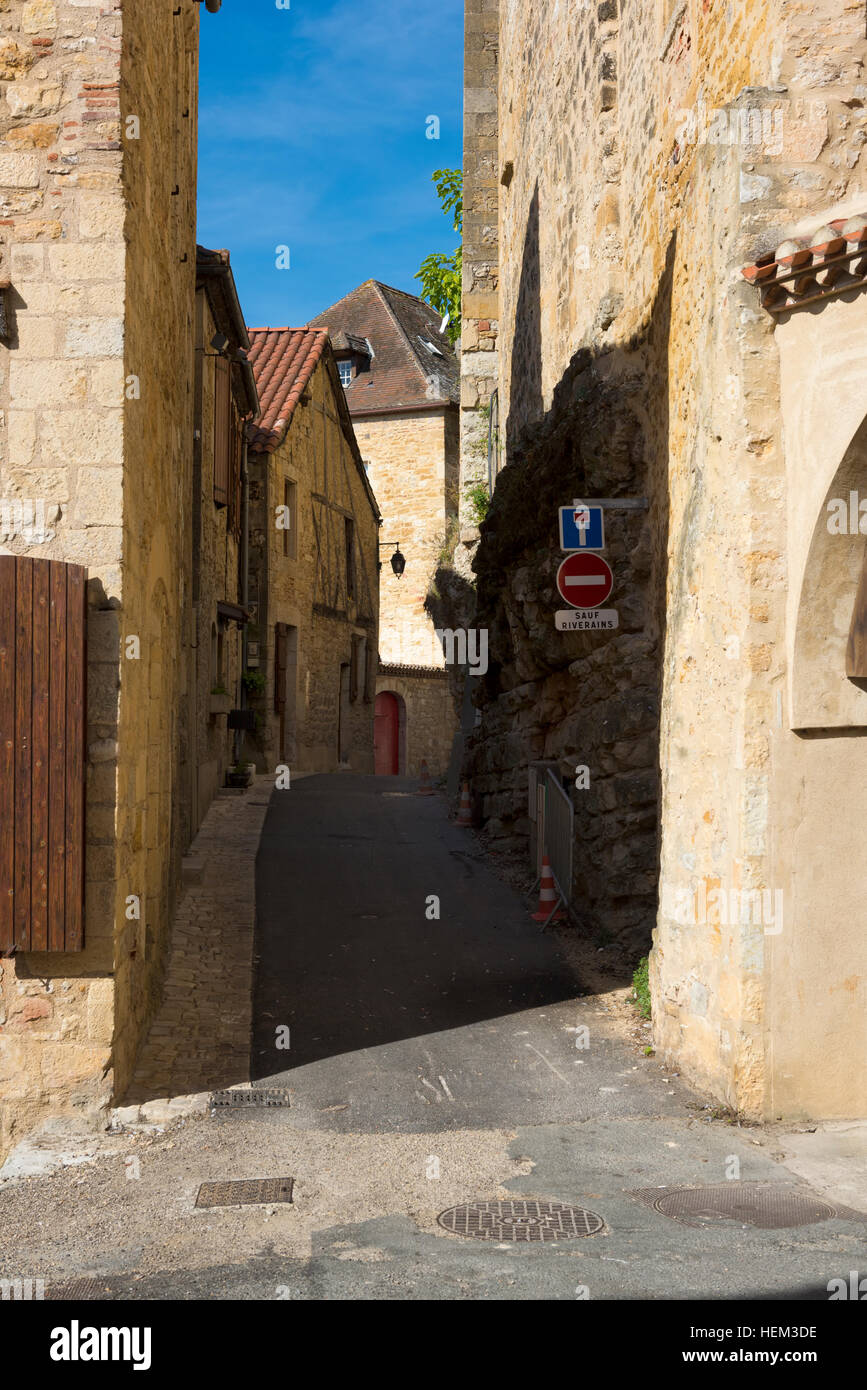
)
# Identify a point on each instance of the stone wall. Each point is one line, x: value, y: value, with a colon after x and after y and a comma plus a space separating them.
x: 309, y: 591
x: 159, y: 85
x: 214, y: 661
x: 480, y: 299
x: 414, y: 476
x: 99, y: 294
x: 647, y: 158
x: 428, y: 728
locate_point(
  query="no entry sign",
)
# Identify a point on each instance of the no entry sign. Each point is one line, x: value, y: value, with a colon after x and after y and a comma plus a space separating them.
x: 585, y: 581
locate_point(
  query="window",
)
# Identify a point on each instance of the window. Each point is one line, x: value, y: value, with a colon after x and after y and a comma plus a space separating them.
x: 290, y: 522
x: 431, y: 347
x: 349, y: 540
x: 345, y: 369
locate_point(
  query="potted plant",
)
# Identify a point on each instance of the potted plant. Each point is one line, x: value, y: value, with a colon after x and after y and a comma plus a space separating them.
x: 253, y: 682
x: 239, y: 775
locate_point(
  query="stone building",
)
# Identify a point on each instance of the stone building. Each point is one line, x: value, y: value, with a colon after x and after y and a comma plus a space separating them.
x: 225, y: 402
x: 400, y: 377
x: 314, y: 581
x: 97, y: 257
x: 660, y: 168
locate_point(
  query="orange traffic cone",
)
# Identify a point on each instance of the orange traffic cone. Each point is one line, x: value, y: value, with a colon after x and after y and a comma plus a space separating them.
x: 549, y: 909
x: 426, y: 788
x: 465, y: 814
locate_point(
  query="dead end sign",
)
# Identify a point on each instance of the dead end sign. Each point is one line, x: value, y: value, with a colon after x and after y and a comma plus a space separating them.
x: 585, y: 580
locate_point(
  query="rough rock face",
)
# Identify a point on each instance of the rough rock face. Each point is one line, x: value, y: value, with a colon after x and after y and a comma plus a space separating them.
x: 581, y: 699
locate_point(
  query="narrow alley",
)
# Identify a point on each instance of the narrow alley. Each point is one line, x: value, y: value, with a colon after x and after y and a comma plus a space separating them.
x: 432, y: 1062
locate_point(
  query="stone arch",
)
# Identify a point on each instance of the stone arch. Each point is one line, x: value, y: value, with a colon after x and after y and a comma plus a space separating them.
x: 822, y: 696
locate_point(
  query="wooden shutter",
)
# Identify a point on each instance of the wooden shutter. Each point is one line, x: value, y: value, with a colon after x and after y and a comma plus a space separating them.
x: 222, y: 442
x: 281, y: 660
x: 237, y: 450
x: 43, y: 725
x: 353, y: 670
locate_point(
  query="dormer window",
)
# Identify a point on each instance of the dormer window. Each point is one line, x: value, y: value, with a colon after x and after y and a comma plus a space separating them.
x: 345, y: 370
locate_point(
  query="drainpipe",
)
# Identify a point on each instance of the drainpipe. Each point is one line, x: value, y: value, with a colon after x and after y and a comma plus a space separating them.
x: 245, y: 578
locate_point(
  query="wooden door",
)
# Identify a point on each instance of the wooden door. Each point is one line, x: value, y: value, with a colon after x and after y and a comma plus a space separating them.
x: 386, y: 735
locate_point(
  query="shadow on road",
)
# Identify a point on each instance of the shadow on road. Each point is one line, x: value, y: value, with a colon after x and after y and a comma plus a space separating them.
x: 349, y: 953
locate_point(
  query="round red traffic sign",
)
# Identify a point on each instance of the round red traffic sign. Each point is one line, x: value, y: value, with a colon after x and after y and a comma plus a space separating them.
x: 585, y: 580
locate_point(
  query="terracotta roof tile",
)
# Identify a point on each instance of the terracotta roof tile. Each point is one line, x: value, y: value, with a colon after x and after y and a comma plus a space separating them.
x: 800, y: 272
x: 283, y: 361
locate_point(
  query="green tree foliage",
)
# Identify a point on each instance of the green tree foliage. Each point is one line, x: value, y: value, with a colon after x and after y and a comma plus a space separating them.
x: 440, y: 274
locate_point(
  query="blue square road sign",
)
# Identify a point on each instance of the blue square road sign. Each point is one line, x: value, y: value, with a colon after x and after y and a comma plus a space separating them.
x: 581, y: 528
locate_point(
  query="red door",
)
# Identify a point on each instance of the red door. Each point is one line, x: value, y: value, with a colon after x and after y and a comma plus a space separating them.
x: 386, y: 735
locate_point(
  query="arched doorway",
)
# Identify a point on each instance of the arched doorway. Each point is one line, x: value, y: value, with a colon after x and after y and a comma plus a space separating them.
x: 386, y: 734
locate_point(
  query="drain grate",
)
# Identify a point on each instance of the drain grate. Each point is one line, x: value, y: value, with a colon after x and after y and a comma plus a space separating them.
x: 771, y: 1206
x: 246, y: 1100
x: 520, y: 1221
x: 248, y: 1192
x: 75, y: 1289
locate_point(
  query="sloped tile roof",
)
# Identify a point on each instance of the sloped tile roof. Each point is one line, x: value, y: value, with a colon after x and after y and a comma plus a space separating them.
x: 403, y: 373
x: 283, y: 361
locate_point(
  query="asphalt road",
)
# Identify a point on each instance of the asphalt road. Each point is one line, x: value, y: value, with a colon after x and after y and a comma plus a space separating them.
x: 403, y: 1022
x: 432, y: 1062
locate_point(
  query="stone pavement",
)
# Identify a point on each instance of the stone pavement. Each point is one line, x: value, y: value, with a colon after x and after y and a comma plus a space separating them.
x: 200, y: 1038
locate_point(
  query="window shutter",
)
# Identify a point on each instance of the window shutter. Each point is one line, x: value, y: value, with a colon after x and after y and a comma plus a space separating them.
x: 370, y: 665
x: 353, y: 670
x: 222, y: 402
x: 236, y: 446
x: 43, y: 724
x: 281, y: 642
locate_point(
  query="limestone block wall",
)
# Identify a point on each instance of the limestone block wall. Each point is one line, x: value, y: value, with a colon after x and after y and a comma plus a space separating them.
x: 309, y: 591
x: 654, y: 153
x: 211, y: 742
x: 96, y: 297
x: 480, y: 297
x: 412, y: 467
x: 159, y: 85
x: 430, y: 717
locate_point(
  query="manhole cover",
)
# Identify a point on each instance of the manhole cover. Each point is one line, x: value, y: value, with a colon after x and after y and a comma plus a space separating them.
x: 75, y: 1289
x: 244, y: 1100
x: 769, y: 1206
x: 520, y: 1221
x: 245, y: 1193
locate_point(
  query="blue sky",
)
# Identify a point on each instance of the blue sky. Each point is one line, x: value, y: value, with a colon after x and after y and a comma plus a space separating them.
x: 312, y: 128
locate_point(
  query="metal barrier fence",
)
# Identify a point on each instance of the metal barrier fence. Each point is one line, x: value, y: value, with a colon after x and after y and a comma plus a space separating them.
x: 559, y: 834
x: 552, y: 825
x: 536, y: 810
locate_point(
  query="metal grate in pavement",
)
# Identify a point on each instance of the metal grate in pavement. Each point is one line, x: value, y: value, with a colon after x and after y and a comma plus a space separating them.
x: 244, y: 1100
x: 75, y: 1289
x: 520, y: 1221
x: 248, y: 1192
x: 769, y: 1206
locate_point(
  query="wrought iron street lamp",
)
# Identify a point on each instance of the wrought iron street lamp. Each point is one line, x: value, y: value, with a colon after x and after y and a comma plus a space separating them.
x: 398, y: 561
